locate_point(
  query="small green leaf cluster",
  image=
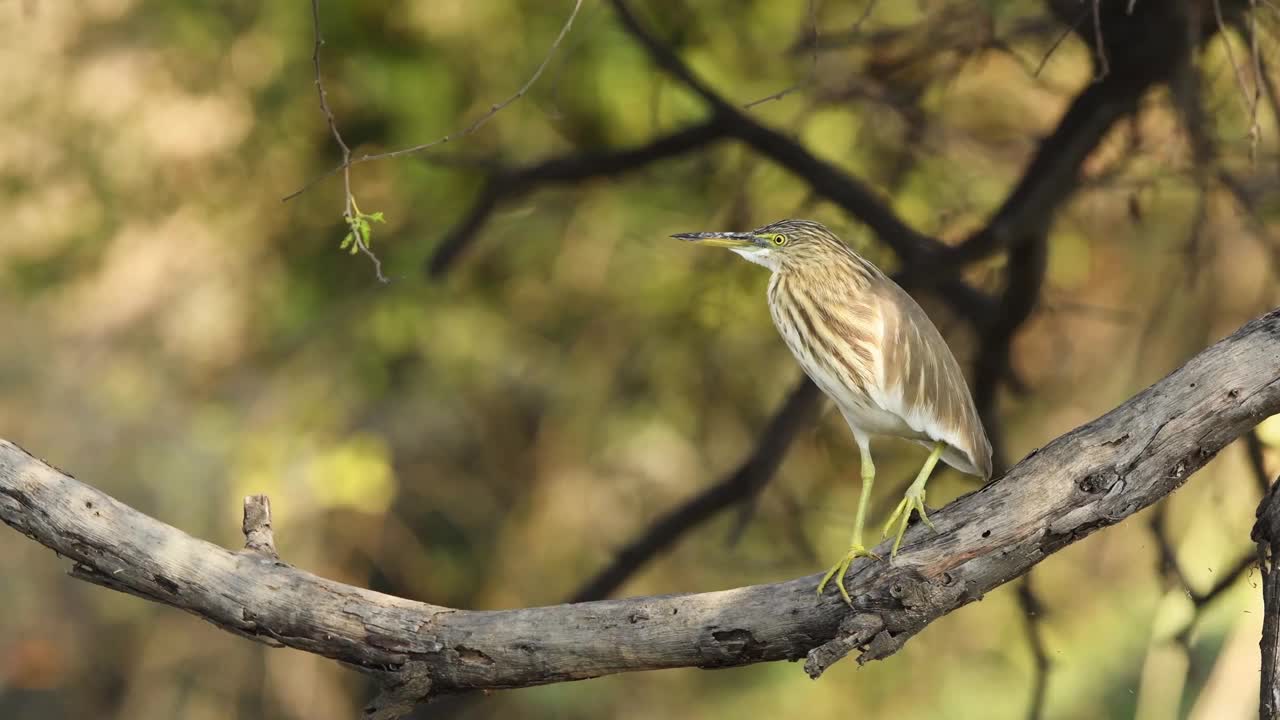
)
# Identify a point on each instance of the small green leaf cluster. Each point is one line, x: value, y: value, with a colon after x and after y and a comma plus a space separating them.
x: 360, y: 226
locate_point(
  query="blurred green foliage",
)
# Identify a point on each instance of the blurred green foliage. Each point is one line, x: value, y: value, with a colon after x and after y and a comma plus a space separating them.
x: 179, y: 337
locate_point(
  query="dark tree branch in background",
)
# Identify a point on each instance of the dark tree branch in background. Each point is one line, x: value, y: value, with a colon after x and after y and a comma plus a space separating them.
x: 1152, y: 40
x: 1032, y: 612
x: 1253, y: 446
x: 1048, y: 180
x: 1239, y: 570
x: 1171, y: 570
x: 1024, y: 277
x: 794, y: 415
x: 1145, y: 43
x: 826, y: 179
x: 725, y: 122
x: 1169, y: 557
x: 504, y: 185
x: 1088, y: 479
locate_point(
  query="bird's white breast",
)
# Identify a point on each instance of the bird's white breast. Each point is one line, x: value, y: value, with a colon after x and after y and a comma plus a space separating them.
x: 861, y: 409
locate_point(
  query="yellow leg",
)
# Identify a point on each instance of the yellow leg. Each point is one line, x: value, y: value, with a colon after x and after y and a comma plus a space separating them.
x: 913, y: 499
x: 856, y: 548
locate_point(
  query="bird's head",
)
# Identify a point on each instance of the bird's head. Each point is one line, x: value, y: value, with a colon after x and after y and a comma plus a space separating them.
x: 777, y: 246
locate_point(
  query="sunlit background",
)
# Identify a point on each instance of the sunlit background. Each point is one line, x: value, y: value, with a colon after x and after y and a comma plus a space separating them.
x: 178, y: 336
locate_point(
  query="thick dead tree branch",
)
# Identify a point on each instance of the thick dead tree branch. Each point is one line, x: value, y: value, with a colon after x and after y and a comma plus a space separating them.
x: 1088, y: 479
x: 1266, y: 533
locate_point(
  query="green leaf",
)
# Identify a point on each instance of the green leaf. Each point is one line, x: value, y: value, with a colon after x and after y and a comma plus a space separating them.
x: 360, y: 230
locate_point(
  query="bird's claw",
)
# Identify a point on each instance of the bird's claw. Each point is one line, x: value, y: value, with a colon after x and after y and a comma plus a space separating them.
x: 913, y: 499
x: 838, y: 570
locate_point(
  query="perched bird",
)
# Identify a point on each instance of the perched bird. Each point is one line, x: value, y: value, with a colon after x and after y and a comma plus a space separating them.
x: 866, y: 344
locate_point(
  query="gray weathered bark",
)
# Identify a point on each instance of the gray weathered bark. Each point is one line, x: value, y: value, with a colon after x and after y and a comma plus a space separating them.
x: 1085, y: 480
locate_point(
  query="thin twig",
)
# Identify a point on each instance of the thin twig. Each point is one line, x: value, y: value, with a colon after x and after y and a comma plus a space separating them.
x: 324, y: 106
x: 813, y: 66
x: 493, y: 109
x: 1250, y: 100
x: 1104, y: 66
x: 1255, y: 129
x: 853, y: 34
x: 857, y: 24
x: 348, y: 161
x: 349, y: 202
x: 1268, y: 83
x: 1054, y: 48
x: 1247, y: 200
x: 557, y: 73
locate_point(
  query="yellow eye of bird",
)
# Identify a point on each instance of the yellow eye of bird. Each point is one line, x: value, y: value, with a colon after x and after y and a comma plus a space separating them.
x: 779, y: 240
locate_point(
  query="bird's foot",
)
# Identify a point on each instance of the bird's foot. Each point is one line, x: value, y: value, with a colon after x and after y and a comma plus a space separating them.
x: 912, y: 500
x: 837, y: 571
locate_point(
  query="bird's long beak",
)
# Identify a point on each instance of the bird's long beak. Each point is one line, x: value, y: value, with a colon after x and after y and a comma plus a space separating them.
x: 720, y: 239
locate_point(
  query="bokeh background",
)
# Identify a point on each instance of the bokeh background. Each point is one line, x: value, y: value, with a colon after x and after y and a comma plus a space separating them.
x: 490, y: 436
